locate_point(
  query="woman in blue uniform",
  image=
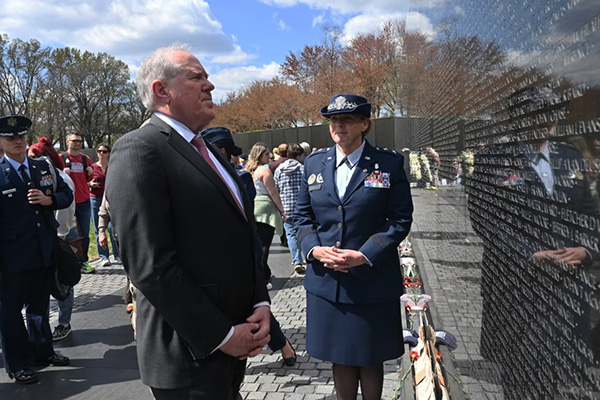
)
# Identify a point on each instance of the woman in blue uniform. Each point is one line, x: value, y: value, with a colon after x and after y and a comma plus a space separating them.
x: 353, y: 210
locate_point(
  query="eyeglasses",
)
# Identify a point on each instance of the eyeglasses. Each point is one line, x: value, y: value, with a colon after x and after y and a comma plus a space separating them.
x: 103, y: 151
x: 76, y: 140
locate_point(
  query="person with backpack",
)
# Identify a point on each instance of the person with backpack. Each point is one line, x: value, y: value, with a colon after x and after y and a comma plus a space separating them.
x: 66, y: 230
x: 79, y: 167
x: 27, y: 226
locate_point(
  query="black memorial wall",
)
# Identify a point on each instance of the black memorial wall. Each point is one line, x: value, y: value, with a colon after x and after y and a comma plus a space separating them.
x: 515, y: 84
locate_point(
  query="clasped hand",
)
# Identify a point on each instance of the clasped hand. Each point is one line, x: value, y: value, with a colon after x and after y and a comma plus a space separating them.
x: 338, y: 259
x: 570, y: 255
x: 250, y: 337
x: 35, y: 196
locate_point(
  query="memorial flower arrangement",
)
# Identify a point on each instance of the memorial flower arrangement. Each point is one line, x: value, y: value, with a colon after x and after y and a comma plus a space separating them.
x: 425, y: 171
x: 467, y: 161
x: 415, y: 168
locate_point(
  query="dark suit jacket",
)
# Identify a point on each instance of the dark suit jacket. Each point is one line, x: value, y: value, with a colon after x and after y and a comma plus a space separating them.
x: 369, y: 219
x: 174, y: 217
x: 26, y: 230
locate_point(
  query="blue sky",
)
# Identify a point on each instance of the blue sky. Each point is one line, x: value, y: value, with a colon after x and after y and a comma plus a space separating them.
x: 238, y: 41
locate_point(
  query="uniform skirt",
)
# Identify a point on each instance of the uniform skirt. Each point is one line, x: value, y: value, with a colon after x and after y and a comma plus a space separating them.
x: 353, y: 334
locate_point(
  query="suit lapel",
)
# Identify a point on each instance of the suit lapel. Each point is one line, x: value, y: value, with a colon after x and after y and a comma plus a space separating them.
x: 11, y: 174
x: 328, y: 174
x: 362, y: 169
x: 231, y: 171
x: 184, y: 148
x: 35, y: 173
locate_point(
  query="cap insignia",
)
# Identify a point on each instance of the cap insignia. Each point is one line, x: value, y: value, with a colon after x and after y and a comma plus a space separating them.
x: 341, y: 103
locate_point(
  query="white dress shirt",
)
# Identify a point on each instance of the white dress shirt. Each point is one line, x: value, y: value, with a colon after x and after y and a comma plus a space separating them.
x: 343, y: 171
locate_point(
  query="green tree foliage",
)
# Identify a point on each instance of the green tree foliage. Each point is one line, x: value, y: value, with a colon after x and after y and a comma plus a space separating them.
x: 67, y: 89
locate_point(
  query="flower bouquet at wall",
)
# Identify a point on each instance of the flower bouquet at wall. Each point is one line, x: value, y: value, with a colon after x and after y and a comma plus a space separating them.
x: 415, y: 167
x: 426, y: 176
x: 465, y: 167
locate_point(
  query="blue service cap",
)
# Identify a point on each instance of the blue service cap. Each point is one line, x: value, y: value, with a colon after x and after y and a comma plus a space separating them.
x: 411, y: 337
x: 221, y: 137
x: 14, y: 125
x: 346, y: 103
x: 446, y: 338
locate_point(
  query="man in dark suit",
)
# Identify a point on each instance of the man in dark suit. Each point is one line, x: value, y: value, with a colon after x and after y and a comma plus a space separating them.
x: 27, y: 225
x: 202, y: 305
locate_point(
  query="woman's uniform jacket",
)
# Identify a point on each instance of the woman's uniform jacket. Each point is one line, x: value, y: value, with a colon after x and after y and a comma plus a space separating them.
x: 373, y: 217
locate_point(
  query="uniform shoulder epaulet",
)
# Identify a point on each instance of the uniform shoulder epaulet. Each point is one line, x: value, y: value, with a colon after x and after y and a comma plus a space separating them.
x: 385, y: 150
x: 320, y: 151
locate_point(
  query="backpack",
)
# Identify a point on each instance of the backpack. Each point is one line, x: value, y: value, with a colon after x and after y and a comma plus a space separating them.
x: 67, y: 160
x: 65, y: 260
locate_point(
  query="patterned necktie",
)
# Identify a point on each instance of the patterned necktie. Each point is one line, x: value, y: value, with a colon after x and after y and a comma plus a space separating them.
x: 24, y: 176
x: 198, y: 142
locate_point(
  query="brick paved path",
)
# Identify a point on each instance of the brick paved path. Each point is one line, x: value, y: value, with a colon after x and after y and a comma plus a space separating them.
x: 449, y: 255
x: 104, y: 281
x: 310, y: 379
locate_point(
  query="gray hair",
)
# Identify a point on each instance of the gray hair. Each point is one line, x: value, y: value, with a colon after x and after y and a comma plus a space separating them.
x: 158, y: 65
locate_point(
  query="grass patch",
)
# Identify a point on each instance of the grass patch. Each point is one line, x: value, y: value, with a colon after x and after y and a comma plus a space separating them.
x: 93, y: 250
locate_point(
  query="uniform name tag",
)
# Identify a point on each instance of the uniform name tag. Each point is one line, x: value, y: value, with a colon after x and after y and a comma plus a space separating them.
x: 378, y: 179
x: 9, y: 191
x: 314, y: 187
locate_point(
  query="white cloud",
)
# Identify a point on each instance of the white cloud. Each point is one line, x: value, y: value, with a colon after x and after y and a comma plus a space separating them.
x: 370, y: 23
x: 237, y: 56
x: 280, y: 3
x: 233, y: 79
x: 318, y: 20
x: 126, y: 29
x: 283, y: 26
x: 418, y: 22
x: 349, y: 6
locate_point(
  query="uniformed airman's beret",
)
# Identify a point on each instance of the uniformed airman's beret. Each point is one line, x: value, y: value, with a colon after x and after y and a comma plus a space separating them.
x: 14, y: 125
x: 347, y: 104
x: 221, y: 137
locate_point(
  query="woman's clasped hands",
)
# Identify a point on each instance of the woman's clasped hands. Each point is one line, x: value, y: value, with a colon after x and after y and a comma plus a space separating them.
x: 338, y: 259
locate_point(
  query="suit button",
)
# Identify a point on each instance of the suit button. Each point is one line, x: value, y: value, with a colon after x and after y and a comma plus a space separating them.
x: 38, y: 224
x: 338, y: 243
x: 340, y: 208
x: 340, y: 225
x: 37, y: 212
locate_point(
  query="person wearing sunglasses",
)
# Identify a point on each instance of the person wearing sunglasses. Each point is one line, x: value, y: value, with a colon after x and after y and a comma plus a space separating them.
x: 96, y: 193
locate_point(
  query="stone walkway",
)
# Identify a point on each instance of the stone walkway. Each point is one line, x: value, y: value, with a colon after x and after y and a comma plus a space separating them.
x: 449, y: 256
x: 102, y: 348
x: 104, y: 281
x: 310, y: 379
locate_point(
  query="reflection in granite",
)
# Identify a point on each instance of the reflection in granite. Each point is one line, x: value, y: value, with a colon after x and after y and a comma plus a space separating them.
x: 509, y: 97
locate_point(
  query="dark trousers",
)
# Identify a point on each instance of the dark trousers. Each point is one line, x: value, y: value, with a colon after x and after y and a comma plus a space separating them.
x: 21, y: 345
x: 265, y: 233
x: 277, y: 337
x: 225, y: 388
x: 83, y: 214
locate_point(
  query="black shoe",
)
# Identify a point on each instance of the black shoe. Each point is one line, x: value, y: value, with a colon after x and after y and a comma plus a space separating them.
x: 24, y: 377
x: 55, y: 360
x: 290, y: 361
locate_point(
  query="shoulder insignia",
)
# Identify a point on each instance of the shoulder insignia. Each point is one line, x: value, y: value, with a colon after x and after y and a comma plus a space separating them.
x: 320, y: 151
x: 385, y: 150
